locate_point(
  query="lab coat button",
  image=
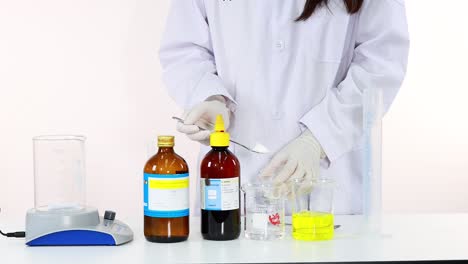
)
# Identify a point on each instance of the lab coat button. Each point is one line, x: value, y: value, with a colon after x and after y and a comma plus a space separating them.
x: 277, y: 114
x: 279, y: 45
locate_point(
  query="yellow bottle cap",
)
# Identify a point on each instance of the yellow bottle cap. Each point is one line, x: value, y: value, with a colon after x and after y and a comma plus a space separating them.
x: 165, y: 141
x: 219, y: 138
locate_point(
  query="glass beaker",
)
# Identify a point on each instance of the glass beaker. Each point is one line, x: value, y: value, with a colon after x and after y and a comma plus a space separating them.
x: 59, y: 173
x: 312, y: 217
x: 263, y: 211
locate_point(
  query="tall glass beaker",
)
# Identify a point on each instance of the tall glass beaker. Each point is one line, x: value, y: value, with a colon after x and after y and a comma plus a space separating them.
x: 59, y: 173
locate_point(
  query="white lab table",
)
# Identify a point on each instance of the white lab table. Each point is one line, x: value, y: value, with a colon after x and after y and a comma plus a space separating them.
x: 406, y: 238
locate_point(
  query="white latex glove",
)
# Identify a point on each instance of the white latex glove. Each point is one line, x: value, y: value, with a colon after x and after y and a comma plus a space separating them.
x: 204, y: 115
x: 300, y: 159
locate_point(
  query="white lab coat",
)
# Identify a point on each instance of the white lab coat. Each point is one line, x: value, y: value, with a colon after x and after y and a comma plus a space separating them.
x: 282, y: 76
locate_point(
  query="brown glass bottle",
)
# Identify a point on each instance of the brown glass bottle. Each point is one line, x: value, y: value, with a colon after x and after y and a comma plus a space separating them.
x: 220, y: 188
x: 220, y: 163
x: 166, y: 195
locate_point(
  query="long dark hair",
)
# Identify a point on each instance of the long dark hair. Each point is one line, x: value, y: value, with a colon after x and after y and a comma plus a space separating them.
x: 310, y: 6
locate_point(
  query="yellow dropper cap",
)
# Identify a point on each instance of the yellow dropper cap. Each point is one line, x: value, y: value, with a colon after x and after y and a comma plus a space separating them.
x: 219, y: 138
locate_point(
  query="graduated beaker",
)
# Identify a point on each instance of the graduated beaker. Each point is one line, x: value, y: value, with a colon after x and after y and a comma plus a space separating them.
x: 263, y: 211
x: 59, y: 173
x: 312, y: 217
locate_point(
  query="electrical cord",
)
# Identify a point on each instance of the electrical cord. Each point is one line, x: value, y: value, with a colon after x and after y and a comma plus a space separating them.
x: 19, y: 234
x: 14, y: 234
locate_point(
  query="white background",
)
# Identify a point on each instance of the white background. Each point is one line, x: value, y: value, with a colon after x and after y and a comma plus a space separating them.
x: 90, y: 67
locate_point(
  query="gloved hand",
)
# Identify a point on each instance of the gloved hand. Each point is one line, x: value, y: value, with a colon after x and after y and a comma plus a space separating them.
x: 204, y: 115
x: 299, y: 160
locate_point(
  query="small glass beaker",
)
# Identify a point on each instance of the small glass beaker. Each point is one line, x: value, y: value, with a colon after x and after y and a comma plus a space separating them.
x: 263, y: 211
x: 312, y: 217
x: 59, y: 173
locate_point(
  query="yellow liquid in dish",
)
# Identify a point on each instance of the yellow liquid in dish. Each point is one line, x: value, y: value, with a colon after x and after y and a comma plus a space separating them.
x: 312, y: 226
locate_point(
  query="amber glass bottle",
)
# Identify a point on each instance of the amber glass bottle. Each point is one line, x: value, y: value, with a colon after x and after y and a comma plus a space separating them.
x: 166, y: 195
x: 220, y: 189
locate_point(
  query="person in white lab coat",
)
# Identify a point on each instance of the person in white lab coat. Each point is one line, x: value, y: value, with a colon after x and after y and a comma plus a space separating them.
x: 289, y: 75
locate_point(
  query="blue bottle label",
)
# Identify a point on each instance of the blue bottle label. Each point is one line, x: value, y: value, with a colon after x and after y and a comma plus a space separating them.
x: 219, y: 194
x: 166, y: 195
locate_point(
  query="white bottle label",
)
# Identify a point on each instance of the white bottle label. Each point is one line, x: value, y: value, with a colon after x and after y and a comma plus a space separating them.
x: 219, y: 194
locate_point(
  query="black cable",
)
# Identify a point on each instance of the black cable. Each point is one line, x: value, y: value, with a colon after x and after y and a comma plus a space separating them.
x: 14, y: 234
x: 19, y: 234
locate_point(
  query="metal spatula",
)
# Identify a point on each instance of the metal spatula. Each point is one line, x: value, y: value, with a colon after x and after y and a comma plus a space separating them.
x: 260, y: 149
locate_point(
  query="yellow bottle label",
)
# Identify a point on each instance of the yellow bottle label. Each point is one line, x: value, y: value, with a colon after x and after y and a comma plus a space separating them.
x: 168, y: 184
